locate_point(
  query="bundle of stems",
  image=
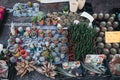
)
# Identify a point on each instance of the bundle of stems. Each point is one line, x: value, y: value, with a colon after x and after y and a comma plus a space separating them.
x: 83, y: 38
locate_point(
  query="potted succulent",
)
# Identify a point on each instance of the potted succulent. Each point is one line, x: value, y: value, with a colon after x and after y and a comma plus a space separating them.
x: 40, y: 18
x: 95, y: 15
x: 113, y: 51
x: 100, y: 45
x: 47, y: 21
x: 115, y: 45
x: 106, y: 16
x: 41, y: 32
x: 29, y: 4
x: 34, y: 19
x: 108, y: 45
x: 106, y: 51
x: 115, y: 24
x: 100, y: 16
x: 65, y: 10
x: 54, y: 20
x: 49, y: 33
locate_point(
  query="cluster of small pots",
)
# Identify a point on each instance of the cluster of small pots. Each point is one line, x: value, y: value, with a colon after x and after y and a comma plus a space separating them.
x: 57, y: 17
x: 25, y: 9
x: 106, y: 22
x: 38, y: 45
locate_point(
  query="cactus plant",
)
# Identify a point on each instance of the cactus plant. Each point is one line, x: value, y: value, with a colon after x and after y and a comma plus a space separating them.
x: 95, y: 15
x: 113, y: 51
x: 100, y: 16
x: 103, y: 24
x: 115, y: 24
x: 100, y: 45
x: 106, y: 51
x: 108, y: 45
x: 106, y: 16
x: 109, y: 24
x: 101, y: 34
x: 103, y: 29
x: 110, y: 28
x: 97, y: 29
x: 115, y: 45
x: 99, y: 39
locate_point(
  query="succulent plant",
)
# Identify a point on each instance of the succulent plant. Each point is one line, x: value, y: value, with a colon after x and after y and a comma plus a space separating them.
x: 40, y: 16
x: 103, y: 29
x: 100, y: 16
x: 101, y: 34
x: 24, y: 66
x: 106, y: 16
x: 110, y: 28
x: 113, y: 15
x: 113, y: 51
x: 48, y: 70
x: 34, y: 19
x: 115, y: 45
x: 111, y: 19
x: 106, y: 51
x: 29, y: 4
x: 108, y: 45
x: 97, y: 29
x: 95, y: 15
x: 109, y: 24
x: 99, y: 39
x: 115, y: 24
x: 100, y: 45
x: 103, y: 24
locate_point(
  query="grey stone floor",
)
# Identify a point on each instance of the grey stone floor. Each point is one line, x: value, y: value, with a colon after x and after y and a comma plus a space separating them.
x: 98, y: 6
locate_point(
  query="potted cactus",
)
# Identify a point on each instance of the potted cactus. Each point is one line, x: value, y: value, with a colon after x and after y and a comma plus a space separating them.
x: 100, y: 45
x: 115, y: 24
x: 113, y: 51
x: 109, y: 24
x: 103, y: 24
x: 101, y: 34
x: 108, y: 45
x: 106, y: 16
x: 115, y: 45
x: 110, y: 28
x: 99, y: 39
x: 54, y: 20
x: 65, y: 10
x: 47, y: 21
x: 41, y: 32
x: 34, y: 19
x: 106, y: 51
x: 40, y: 18
x: 100, y: 16
x: 95, y: 15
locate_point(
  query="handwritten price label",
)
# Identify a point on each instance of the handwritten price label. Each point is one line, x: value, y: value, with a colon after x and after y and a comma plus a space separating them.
x: 112, y: 36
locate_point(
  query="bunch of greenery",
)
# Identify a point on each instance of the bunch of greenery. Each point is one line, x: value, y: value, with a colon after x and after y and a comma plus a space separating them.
x: 83, y: 39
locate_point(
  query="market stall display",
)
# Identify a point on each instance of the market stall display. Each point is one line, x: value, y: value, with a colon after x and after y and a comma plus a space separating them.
x: 65, y: 44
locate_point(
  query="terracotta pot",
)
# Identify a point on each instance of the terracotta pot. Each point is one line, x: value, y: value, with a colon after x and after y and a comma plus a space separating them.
x: 54, y: 22
x: 41, y: 22
x: 49, y: 35
x: 42, y: 35
x: 48, y: 23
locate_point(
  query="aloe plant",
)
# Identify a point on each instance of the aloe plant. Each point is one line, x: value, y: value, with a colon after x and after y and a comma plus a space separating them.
x: 34, y: 19
x: 83, y: 37
x: 40, y: 16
